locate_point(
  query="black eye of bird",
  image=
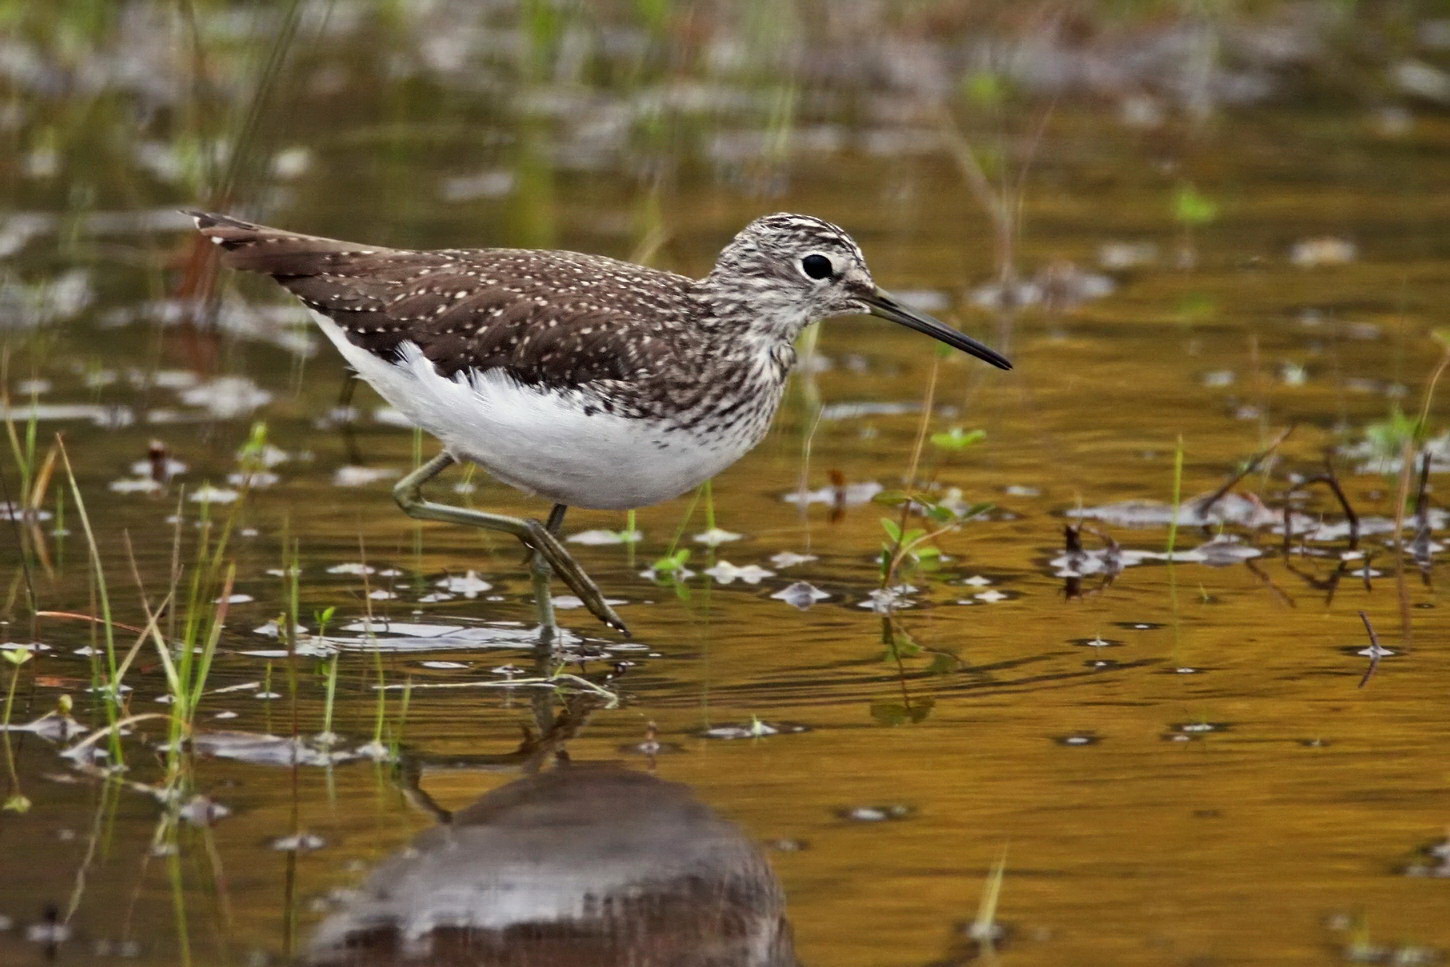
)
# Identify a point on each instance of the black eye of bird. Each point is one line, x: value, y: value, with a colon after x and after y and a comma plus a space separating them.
x: 816, y: 266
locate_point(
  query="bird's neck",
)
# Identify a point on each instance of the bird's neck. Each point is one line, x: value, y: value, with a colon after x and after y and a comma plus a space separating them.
x: 747, y: 317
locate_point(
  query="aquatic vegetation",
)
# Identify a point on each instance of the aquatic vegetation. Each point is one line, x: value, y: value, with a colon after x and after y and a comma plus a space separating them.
x: 236, y: 655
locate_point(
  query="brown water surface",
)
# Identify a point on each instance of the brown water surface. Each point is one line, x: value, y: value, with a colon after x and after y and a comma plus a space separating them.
x: 1175, y: 764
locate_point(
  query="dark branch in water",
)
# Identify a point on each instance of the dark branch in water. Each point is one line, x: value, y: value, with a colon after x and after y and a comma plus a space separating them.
x: 1278, y: 592
x: 1422, y: 505
x: 1331, y: 480
x: 1420, y: 545
x: 1072, y: 539
x: 1206, y: 504
x: 1374, y: 649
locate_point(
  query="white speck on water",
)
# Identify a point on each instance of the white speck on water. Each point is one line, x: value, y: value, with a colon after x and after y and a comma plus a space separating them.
x: 1118, y: 255
x: 1293, y: 374
x: 201, y: 811
x: 45, y: 932
x: 10, y: 512
x: 444, y: 664
x: 226, y: 396
x: 469, y: 584
x: 256, y: 479
x: 875, y: 814
x: 134, y: 485
x: 851, y: 495
x: 351, y: 568
x: 600, y: 537
x: 208, y: 494
x: 298, y: 843
x: 992, y: 597
x: 727, y: 573
x: 272, y: 629
x: 1218, y: 378
x: 715, y: 536
x: 1326, y: 250
x: 884, y: 600
x: 754, y: 729
x: 676, y: 574
x: 267, y: 455
x: 801, y: 594
x: 351, y: 476
x: 977, y: 581
x: 786, y: 559
x: 569, y: 602
x: 382, y: 594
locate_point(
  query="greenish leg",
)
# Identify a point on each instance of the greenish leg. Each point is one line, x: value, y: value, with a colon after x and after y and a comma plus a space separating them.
x: 548, y: 555
x: 539, y: 574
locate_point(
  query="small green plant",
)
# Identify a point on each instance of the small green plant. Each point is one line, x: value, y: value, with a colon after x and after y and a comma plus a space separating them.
x: 1388, y: 438
x: 329, y: 674
x: 914, y: 544
x: 1193, y: 209
x: 16, y: 657
x: 672, y: 563
x: 956, y: 439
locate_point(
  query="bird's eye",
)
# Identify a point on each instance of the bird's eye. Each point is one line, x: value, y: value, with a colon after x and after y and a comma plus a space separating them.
x: 816, y: 266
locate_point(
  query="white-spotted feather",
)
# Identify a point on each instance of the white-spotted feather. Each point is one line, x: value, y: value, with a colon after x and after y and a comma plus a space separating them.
x: 542, y: 441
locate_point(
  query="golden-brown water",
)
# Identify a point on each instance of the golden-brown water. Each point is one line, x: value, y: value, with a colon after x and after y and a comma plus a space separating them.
x: 1181, y: 765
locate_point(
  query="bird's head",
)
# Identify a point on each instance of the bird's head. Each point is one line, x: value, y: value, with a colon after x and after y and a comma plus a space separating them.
x: 784, y: 272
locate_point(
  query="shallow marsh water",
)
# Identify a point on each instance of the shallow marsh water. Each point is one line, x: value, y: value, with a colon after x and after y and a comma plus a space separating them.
x: 1175, y: 766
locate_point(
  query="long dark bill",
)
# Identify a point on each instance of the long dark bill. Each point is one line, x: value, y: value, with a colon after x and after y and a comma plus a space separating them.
x: 881, y: 303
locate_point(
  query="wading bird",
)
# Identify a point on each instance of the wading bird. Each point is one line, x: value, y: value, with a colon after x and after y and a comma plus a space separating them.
x: 588, y: 381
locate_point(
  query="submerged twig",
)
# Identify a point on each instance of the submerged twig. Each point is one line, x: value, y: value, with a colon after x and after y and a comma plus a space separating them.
x: 1375, y: 651
x: 1204, y: 505
x: 1330, y: 479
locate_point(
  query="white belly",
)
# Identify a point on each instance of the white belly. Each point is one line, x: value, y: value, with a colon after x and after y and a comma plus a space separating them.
x: 538, y: 441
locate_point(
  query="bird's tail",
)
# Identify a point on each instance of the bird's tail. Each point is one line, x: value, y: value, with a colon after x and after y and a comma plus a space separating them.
x: 257, y: 248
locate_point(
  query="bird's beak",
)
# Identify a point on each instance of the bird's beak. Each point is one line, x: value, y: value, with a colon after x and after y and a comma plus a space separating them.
x: 881, y: 303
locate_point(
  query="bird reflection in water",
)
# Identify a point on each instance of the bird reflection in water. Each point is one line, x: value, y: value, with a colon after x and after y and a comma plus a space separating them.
x: 573, y: 864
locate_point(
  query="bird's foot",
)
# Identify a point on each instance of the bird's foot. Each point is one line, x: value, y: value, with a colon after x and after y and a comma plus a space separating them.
x: 569, y: 571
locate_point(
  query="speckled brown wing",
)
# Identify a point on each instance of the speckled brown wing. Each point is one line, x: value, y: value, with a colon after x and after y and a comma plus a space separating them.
x: 549, y: 318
